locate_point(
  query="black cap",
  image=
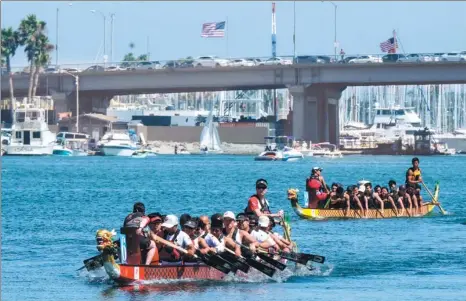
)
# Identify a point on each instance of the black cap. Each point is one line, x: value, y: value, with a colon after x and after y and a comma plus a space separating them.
x: 253, y: 220
x: 216, y: 220
x: 139, y: 207
x: 242, y: 217
x: 190, y: 224
x: 262, y: 183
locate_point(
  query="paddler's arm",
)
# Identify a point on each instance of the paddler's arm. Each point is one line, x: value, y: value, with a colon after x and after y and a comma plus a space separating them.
x: 324, y: 184
x: 145, y: 221
x: 204, y: 247
x: 230, y: 244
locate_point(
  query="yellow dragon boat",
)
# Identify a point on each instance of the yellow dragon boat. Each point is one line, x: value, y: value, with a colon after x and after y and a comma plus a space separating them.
x: 322, y: 214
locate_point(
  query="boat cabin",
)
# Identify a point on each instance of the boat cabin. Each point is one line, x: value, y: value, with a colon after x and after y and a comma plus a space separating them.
x: 278, y: 142
x: 29, y: 126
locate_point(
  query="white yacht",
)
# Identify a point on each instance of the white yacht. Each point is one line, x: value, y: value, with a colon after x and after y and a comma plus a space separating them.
x: 389, y: 125
x: 118, y: 143
x: 30, y: 133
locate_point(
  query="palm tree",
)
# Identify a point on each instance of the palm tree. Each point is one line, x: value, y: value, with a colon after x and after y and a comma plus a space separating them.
x: 30, y: 30
x: 142, y: 58
x: 9, y: 45
x: 129, y: 57
x: 44, y: 48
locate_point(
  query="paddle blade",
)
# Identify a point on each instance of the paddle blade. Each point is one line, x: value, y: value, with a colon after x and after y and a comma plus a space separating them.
x: 94, y: 263
x: 261, y: 267
x: 214, y: 262
x: 272, y: 261
x: 311, y: 257
x: 238, y: 262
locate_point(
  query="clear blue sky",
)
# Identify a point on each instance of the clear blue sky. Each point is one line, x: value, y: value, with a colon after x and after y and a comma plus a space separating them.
x: 174, y: 27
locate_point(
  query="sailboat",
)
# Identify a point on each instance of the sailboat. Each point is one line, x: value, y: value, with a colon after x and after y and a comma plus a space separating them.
x: 210, y: 141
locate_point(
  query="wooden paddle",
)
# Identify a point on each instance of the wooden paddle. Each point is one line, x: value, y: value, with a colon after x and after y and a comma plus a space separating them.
x: 269, y: 271
x: 213, y: 261
x: 434, y: 200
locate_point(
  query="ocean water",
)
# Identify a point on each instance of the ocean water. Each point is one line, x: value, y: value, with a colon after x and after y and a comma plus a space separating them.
x: 52, y: 206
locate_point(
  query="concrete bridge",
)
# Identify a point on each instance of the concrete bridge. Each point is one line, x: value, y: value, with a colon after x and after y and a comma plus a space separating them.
x: 316, y: 88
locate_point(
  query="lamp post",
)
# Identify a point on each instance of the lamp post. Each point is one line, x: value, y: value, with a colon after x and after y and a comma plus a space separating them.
x: 105, y: 22
x: 335, y: 27
x: 112, y: 16
x: 294, y: 30
x: 76, y: 82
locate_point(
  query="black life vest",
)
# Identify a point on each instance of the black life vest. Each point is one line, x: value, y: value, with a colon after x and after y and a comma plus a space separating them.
x: 416, y: 173
x: 166, y: 234
x: 264, y: 207
x: 133, y: 220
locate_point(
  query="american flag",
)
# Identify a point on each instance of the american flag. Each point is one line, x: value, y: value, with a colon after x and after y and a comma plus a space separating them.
x: 388, y: 45
x: 213, y: 30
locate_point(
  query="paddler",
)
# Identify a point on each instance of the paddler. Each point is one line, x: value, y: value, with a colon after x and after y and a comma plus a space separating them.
x: 176, y: 236
x: 213, y: 242
x: 238, y: 235
x: 261, y: 234
x: 138, y: 219
x: 316, y: 188
x: 257, y: 204
x: 413, y: 180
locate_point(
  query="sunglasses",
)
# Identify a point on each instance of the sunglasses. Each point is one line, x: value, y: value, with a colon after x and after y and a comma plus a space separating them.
x: 261, y: 187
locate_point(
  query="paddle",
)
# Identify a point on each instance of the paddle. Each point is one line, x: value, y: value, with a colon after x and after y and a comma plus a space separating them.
x: 213, y: 261
x: 269, y: 271
x: 301, y: 258
x: 277, y: 264
x: 434, y: 200
x: 219, y: 262
x: 236, y: 261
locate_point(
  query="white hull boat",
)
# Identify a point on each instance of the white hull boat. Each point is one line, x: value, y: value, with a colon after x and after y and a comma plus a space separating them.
x: 30, y: 133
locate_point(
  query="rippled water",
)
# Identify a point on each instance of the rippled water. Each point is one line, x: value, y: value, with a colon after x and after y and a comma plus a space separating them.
x: 51, y: 208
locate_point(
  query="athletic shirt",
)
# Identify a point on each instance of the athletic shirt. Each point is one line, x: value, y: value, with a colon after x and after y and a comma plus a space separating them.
x: 262, y: 236
x: 180, y: 239
x: 214, y: 242
x: 133, y: 220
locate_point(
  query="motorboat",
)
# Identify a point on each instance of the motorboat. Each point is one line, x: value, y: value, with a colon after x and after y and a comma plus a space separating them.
x: 118, y: 143
x: 279, y: 149
x: 30, y: 133
x: 71, y: 144
x: 325, y: 149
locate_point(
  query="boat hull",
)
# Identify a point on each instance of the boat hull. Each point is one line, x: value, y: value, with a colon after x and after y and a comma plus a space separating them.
x: 29, y: 150
x: 321, y: 214
x: 118, y: 151
x: 63, y: 152
x: 135, y: 273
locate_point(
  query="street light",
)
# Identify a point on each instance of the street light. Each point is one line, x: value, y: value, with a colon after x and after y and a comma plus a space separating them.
x: 56, y: 37
x: 105, y: 21
x: 335, y: 25
x: 76, y: 81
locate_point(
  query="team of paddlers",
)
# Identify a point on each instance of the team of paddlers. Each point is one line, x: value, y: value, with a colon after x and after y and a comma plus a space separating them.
x: 363, y: 197
x: 243, y: 234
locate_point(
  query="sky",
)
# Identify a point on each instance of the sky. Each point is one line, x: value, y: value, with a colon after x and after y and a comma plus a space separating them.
x: 174, y: 28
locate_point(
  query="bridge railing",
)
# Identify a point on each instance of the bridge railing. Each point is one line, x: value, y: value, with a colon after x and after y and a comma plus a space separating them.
x: 248, y: 61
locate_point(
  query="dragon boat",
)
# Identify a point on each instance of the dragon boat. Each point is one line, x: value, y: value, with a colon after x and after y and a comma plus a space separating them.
x: 129, y: 269
x: 323, y: 214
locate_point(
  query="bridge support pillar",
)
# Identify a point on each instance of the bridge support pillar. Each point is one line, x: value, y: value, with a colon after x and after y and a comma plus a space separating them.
x: 88, y: 103
x: 315, y: 112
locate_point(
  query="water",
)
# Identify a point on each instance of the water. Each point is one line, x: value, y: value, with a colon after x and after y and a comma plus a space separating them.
x: 51, y: 208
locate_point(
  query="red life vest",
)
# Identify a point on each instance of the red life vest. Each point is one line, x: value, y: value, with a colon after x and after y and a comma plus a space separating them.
x: 314, y: 182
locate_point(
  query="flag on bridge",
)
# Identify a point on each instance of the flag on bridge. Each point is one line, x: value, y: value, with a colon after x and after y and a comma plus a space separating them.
x: 213, y: 30
x: 389, y: 45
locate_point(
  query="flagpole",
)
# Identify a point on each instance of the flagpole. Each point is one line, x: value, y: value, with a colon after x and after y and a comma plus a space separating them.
x: 227, y: 33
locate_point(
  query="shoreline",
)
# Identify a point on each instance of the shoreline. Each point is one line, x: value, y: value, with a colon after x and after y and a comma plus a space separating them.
x: 168, y: 148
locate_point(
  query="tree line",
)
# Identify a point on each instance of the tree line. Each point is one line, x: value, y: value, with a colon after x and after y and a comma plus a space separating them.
x: 31, y: 35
